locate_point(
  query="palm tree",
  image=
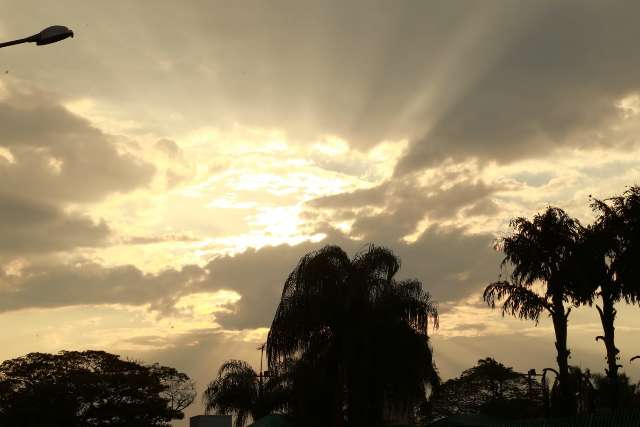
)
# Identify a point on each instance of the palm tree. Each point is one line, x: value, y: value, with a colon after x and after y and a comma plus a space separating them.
x: 609, y: 269
x: 357, y: 333
x: 541, y: 251
x: 627, y: 207
x: 238, y: 391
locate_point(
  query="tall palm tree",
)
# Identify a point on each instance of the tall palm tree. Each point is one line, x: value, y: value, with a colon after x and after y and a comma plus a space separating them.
x: 627, y: 207
x: 360, y: 333
x: 609, y: 268
x: 541, y: 252
x: 239, y: 391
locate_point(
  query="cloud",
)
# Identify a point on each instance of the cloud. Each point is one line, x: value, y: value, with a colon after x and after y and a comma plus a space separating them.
x: 396, y: 208
x: 559, y: 84
x: 258, y: 276
x: 52, y: 163
x: 497, y: 81
x: 450, y: 263
x: 168, y: 147
x: 150, y: 240
x: 54, y: 155
x: 32, y: 227
x: 87, y: 283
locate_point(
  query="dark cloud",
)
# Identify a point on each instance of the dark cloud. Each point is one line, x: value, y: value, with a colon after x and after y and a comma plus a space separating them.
x: 484, y: 207
x: 450, y: 263
x: 29, y: 227
x: 405, y: 202
x: 361, y: 198
x: 90, y: 283
x: 52, y: 158
x: 556, y: 86
x: 150, y: 240
x: 258, y: 276
x: 58, y: 156
x: 169, y: 147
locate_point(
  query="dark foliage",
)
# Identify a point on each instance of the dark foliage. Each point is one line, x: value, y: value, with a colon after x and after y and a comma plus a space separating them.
x: 179, y: 390
x: 356, y: 336
x: 609, y: 262
x: 628, y: 394
x: 541, y: 251
x: 240, y: 391
x: 489, y: 388
x: 89, y: 388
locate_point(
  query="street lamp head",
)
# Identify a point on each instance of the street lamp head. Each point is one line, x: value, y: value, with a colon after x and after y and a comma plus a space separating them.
x: 47, y: 36
x: 52, y: 34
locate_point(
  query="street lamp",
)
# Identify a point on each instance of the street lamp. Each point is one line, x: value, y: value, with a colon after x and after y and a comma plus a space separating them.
x: 47, y: 36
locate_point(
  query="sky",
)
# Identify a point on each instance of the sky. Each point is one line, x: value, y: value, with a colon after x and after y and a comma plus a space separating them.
x: 165, y: 169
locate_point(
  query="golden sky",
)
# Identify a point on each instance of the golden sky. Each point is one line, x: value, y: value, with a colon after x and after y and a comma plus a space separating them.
x: 163, y: 171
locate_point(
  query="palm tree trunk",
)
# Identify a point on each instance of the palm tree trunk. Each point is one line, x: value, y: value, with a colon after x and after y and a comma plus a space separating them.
x: 559, y: 318
x: 607, y: 317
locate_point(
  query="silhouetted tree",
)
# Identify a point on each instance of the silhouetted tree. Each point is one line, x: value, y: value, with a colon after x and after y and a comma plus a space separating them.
x: 607, y: 268
x: 357, y: 334
x: 627, y: 393
x: 541, y: 251
x: 89, y: 388
x: 489, y: 388
x: 179, y: 390
x: 579, y: 382
x: 238, y: 391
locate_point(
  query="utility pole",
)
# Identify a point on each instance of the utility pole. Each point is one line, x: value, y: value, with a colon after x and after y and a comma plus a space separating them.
x: 261, y: 348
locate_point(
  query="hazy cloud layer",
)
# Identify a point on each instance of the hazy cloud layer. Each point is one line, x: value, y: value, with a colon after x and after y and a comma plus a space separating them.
x: 497, y: 80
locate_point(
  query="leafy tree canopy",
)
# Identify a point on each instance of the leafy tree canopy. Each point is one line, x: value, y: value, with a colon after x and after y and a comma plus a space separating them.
x: 90, y: 388
x: 490, y: 388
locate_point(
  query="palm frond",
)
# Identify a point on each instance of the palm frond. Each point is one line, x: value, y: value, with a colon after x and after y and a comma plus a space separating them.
x: 376, y: 262
x: 517, y: 300
x: 232, y: 392
x: 312, y: 288
x: 537, y: 249
x: 412, y: 304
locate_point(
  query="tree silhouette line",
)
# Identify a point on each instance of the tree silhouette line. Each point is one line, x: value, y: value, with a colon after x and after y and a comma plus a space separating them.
x: 349, y: 344
x: 90, y: 388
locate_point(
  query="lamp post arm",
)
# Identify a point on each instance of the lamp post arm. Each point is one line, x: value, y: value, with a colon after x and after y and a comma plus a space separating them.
x: 31, y: 39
